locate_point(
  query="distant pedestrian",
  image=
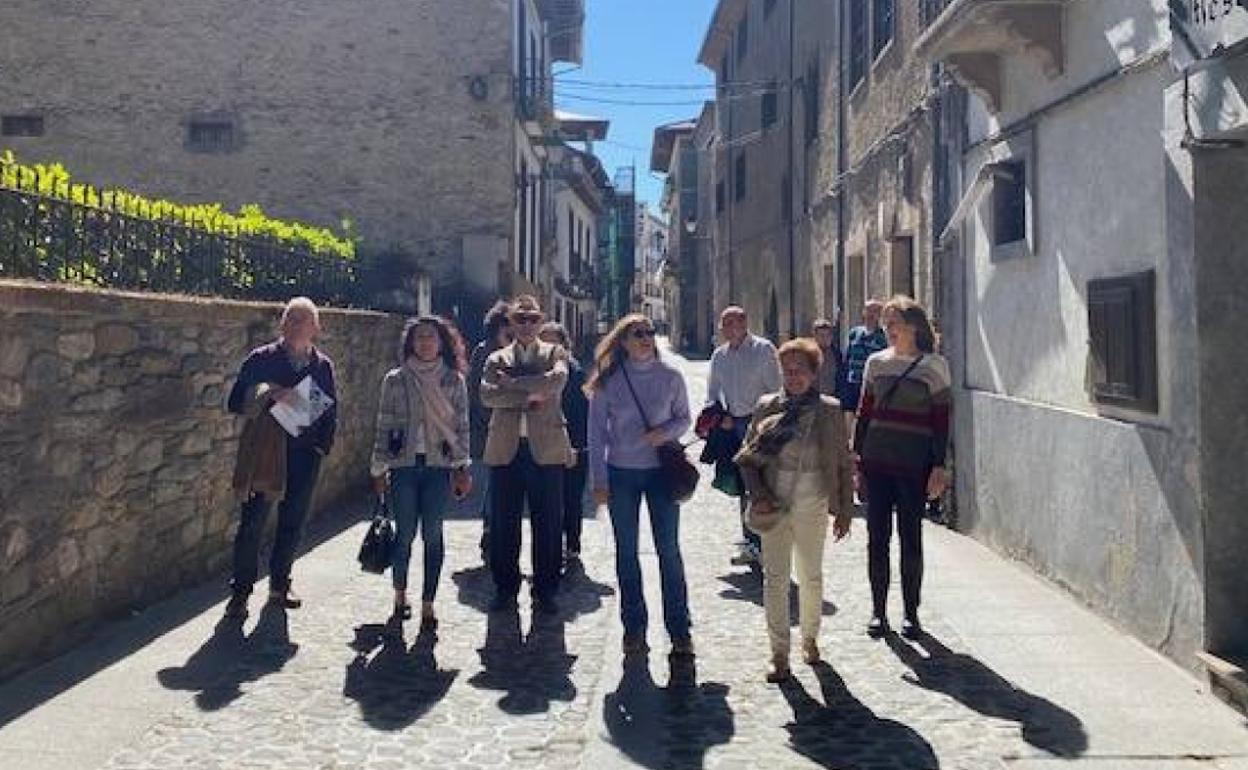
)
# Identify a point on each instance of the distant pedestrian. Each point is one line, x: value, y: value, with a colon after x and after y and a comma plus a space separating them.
x: 630, y: 388
x: 901, y: 440
x: 420, y: 450
x: 827, y: 335
x: 864, y: 341
x: 527, y: 449
x: 743, y: 370
x: 797, y: 466
x: 497, y: 335
x: 269, y: 376
x: 576, y: 413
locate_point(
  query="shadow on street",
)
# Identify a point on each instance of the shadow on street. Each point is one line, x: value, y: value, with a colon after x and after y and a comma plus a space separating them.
x: 746, y: 587
x: 673, y: 726
x: 969, y: 681
x: 396, y: 686
x: 844, y: 732
x: 227, y: 659
x: 531, y: 671
x: 579, y: 594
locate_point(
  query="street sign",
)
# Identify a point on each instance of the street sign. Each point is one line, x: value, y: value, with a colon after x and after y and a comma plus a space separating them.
x: 1202, y: 28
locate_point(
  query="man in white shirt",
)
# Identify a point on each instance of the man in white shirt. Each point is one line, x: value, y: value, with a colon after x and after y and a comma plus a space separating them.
x: 743, y: 370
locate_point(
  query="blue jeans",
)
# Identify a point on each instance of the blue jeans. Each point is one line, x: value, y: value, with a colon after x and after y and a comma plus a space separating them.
x: 419, y: 494
x: 627, y: 488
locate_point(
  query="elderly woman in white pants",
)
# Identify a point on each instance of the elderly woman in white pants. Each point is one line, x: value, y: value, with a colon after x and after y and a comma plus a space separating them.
x: 798, y: 471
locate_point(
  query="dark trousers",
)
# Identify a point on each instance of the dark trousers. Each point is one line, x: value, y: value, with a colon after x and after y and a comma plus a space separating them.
x: 574, y: 502
x: 511, y: 486
x: 906, y: 495
x: 740, y: 426
x: 302, y: 468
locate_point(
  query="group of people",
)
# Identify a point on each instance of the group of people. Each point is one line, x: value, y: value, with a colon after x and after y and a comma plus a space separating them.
x: 527, y: 426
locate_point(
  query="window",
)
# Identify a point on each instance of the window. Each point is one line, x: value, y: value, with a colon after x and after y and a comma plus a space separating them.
x: 739, y: 177
x: 725, y: 76
x: 522, y: 238
x: 857, y: 41
x: 1009, y: 203
x: 21, y: 125
x: 855, y: 284
x: 768, y: 7
x: 211, y: 135
x: 573, y: 243
x: 771, y: 99
x: 901, y: 265
x: 1122, y: 343
x: 786, y: 198
x: 719, y: 197
x: 743, y: 35
x: 882, y: 25
x: 812, y: 97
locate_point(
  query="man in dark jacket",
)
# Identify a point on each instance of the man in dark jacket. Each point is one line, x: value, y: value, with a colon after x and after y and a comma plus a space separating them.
x: 576, y: 411
x: 269, y: 376
x: 497, y: 334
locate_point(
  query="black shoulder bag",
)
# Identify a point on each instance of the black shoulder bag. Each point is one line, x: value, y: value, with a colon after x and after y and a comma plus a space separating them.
x: 680, y: 475
x: 377, y: 550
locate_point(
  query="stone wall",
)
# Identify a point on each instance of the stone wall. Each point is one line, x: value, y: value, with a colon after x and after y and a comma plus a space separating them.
x: 116, y: 450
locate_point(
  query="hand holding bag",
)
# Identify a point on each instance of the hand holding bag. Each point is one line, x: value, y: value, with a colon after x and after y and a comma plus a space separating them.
x: 377, y: 550
x: 680, y: 475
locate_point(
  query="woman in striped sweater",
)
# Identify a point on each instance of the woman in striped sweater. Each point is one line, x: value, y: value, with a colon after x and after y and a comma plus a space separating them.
x: 901, y: 440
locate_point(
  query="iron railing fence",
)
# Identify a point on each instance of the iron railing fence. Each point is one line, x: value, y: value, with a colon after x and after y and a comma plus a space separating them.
x: 50, y: 239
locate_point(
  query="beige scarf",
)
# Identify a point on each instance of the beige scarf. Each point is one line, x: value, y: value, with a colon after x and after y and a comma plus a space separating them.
x: 439, y: 413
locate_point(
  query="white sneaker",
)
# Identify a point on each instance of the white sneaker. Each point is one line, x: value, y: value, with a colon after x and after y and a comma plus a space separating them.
x: 747, y: 555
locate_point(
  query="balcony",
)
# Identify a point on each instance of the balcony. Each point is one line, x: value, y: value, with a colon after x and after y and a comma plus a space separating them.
x: 971, y: 36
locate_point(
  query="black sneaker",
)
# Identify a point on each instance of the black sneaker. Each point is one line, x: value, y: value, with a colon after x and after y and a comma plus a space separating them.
x: 877, y: 627
x: 911, y: 628
x: 286, y: 599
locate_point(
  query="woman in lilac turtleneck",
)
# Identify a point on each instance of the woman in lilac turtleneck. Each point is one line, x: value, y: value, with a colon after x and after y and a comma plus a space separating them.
x: 624, y: 466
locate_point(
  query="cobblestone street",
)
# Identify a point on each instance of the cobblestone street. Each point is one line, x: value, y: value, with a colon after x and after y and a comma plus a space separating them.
x: 1013, y: 674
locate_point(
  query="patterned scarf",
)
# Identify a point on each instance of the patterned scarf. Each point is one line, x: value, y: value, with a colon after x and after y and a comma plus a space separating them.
x: 439, y: 413
x: 780, y: 432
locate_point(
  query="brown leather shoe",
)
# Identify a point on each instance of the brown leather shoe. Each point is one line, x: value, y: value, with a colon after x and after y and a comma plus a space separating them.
x: 287, y: 599
x: 810, y: 652
x: 779, y: 671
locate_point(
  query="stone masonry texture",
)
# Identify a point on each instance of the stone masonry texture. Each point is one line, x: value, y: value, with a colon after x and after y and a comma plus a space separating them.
x: 116, y: 449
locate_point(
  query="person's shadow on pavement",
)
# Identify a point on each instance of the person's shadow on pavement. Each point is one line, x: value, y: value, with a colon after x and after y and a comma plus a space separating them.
x: 228, y: 659
x: 665, y: 727
x: 969, y: 681
x: 530, y: 672
x: 395, y: 687
x: 843, y: 732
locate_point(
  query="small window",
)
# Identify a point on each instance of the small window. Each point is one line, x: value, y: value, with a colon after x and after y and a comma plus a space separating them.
x: 1009, y: 203
x: 768, y: 7
x: 1122, y: 342
x: 739, y: 178
x: 719, y: 198
x: 812, y: 97
x: 743, y: 36
x: 770, y: 106
x: 725, y: 76
x: 215, y: 135
x: 901, y: 265
x: 882, y: 25
x: 855, y: 284
x: 858, y: 41
x: 21, y: 125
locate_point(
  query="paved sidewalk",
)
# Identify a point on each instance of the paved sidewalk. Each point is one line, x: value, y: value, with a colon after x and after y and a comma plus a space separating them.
x: 1014, y: 675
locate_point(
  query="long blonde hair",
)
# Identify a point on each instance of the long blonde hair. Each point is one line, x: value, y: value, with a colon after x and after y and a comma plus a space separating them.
x: 610, y: 353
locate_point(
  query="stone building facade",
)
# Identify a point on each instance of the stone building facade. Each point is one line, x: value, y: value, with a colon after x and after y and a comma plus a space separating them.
x: 116, y: 451
x: 1100, y: 245
x: 414, y: 120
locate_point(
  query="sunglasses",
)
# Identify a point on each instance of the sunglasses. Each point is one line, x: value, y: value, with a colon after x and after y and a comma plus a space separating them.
x: 527, y: 318
x: 643, y: 334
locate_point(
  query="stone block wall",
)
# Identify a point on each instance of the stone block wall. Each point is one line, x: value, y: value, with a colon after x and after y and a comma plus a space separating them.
x: 116, y: 450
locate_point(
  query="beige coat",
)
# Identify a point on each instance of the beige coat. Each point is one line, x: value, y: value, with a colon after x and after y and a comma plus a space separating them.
x: 506, y: 388
x: 832, y: 452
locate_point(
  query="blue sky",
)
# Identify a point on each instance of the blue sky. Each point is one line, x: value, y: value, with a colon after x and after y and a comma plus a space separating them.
x: 637, y: 42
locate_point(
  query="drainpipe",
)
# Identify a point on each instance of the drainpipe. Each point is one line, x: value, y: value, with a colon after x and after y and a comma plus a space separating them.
x: 841, y: 161
x: 791, y: 175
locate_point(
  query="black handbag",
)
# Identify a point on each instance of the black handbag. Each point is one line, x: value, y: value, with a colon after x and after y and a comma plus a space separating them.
x: 377, y: 550
x: 680, y: 475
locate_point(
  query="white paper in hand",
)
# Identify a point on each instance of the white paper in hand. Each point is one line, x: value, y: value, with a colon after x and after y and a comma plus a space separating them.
x: 305, y: 406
